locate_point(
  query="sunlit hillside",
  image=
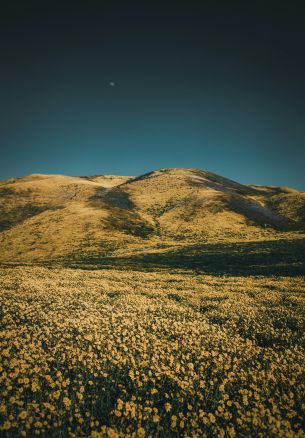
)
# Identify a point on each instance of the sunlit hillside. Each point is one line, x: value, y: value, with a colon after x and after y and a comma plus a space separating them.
x: 165, y: 305
x: 55, y: 218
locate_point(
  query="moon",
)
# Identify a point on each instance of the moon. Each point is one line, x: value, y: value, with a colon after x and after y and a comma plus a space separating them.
x: 112, y: 84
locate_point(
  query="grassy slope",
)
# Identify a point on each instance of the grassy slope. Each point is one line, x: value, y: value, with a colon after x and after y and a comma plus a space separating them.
x: 170, y: 212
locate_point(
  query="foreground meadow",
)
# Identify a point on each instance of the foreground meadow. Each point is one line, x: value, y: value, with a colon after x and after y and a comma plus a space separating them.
x: 126, y: 353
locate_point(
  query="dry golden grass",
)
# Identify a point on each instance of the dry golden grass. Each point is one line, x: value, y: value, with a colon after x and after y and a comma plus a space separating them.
x: 47, y: 217
x: 124, y: 353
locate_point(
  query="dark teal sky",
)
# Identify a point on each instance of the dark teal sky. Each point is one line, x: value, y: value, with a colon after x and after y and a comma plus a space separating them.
x: 216, y: 85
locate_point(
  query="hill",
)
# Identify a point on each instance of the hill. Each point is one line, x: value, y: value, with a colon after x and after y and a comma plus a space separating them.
x: 180, y: 212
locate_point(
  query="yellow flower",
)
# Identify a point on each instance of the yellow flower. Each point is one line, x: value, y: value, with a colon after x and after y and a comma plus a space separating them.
x: 95, y: 434
x: 67, y: 402
x: 6, y: 425
x: 211, y: 417
x: 56, y: 395
x: 111, y: 433
x: 35, y: 387
x: 167, y: 407
x: 38, y: 424
x: 140, y: 433
x: 22, y: 415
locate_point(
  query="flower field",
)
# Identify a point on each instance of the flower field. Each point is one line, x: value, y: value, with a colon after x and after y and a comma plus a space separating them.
x: 171, y: 353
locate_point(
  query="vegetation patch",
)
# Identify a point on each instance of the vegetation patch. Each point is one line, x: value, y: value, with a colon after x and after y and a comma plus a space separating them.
x: 89, y: 353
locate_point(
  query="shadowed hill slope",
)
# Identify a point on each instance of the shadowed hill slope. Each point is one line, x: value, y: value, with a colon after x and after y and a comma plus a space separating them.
x: 56, y: 217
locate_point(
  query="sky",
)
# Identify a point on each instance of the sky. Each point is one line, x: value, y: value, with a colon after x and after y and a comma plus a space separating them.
x: 125, y: 87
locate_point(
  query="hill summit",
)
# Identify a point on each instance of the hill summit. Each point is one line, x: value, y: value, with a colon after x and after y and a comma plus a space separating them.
x: 57, y: 217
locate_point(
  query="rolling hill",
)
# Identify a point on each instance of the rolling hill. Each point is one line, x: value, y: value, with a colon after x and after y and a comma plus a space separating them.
x: 59, y: 219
